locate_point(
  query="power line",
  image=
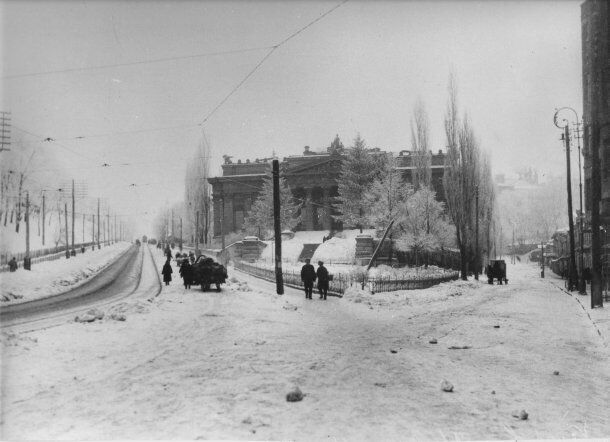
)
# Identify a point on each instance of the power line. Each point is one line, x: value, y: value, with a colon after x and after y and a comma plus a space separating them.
x: 266, y: 56
x: 135, y: 131
x: 134, y: 63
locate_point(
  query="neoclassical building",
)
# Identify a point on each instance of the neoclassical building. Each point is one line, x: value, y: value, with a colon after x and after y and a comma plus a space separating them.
x: 312, y: 178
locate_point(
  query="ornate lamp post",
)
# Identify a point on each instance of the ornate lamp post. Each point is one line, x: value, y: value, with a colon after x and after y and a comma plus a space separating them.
x: 565, y: 125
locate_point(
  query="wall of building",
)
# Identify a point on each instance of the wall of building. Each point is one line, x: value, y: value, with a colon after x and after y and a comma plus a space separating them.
x: 595, y: 20
x: 312, y: 179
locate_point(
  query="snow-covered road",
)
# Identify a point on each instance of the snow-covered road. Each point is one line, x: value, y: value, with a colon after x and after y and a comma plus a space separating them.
x: 218, y: 366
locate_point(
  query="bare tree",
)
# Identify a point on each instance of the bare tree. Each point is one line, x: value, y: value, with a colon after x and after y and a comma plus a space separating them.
x: 465, y: 177
x: 420, y: 135
x: 198, y: 195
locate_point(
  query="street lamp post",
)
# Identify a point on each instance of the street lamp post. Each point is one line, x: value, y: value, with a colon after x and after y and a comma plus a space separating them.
x: 572, y: 274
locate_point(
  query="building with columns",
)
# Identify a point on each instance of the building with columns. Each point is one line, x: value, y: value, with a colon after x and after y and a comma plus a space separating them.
x: 312, y: 178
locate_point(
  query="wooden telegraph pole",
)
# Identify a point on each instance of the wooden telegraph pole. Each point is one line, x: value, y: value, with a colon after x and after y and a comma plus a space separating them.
x: 197, y: 233
x: 93, y: 232
x: 99, y: 220
x: 43, y: 215
x: 73, y: 206
x: 279, y: 277
x: 572, y: 277
x: 27, y: 262
x: 67, y: 243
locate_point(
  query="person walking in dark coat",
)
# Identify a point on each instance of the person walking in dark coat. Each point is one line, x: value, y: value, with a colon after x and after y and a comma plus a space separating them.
x: 12, y: 265
x: 186, y: 271
x: 308, y: 276
x: 322, y: 275
x: 167, y: 272
x: 168, y: 252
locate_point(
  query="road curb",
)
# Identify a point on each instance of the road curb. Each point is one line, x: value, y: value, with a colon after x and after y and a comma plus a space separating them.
x: 601, y: 335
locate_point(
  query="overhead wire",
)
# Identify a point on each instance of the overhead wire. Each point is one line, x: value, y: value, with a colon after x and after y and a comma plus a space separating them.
x: 134, y: 63
x: 266, y: 56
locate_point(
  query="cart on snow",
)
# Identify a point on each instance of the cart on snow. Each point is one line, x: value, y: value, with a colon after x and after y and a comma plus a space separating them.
x: 206, y: 271
x: 496, y: 270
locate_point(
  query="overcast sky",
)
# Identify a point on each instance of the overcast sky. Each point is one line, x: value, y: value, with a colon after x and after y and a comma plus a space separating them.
x: 359, y: 69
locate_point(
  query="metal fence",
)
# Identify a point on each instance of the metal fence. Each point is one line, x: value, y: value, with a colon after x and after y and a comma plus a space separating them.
x: 341, y: 282
x: 40, y: 255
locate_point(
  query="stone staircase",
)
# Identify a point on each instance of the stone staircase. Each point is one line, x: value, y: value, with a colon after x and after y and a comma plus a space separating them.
x: 308, y: 251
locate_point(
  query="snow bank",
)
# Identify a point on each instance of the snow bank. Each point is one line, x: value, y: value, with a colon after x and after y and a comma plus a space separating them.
x: 54, y: 277
x: 384, y: 271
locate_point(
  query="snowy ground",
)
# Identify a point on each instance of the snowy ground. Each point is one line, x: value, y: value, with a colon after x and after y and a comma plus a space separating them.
x: 58, y: 276
x: 192, y: 365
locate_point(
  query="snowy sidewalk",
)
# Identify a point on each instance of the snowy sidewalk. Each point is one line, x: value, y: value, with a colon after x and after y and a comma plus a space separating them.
x: 54, y: 277
x: 211, y: 365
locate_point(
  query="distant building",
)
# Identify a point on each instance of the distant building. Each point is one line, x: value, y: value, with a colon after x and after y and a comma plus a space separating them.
x: 312, y: 177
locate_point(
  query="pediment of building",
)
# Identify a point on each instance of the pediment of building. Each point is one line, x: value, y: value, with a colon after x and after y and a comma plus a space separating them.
x: 315, y: 167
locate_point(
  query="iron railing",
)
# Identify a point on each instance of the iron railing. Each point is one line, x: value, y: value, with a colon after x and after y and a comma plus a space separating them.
x: 340, y: 282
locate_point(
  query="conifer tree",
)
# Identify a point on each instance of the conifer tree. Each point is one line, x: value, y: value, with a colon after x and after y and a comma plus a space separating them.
x: 358, y: 171
x: 260, y: 216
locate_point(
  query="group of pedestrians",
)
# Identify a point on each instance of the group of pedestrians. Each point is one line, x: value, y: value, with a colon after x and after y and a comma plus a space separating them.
x: 309, y: 275
x: 184, y: 262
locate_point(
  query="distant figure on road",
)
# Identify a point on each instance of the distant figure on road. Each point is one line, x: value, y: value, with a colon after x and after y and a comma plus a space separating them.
x: 168, y: 252
x: 167, y: 272
x: 186, y: 272
x: 12, y: 264
x: 322, y: 275
x: 308, y: 276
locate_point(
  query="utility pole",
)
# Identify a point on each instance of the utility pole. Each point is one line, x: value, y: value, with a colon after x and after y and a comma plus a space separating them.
x: 476, y: 236
x: 222, y: 218
x: 27, y: 263
x: 181, y: 234
x: 43, y: 215
x: 512, y: 258
x: 115, y: 237
x: 582, y: 289
x: 73, y: 214
x: 173, y: 235
x: 197, y: 233
x: 596, y: 194
x: 542, y: 259
x: 98, y: 224
x: 572, y: 277
x: 67, y: 243
x: 108, y: 225
x: 279, y: 277
x: 93, y: 232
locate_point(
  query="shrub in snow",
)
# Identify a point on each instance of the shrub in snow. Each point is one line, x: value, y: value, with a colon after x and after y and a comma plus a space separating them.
x: 96, y: 313
x: 85, y: 318
x: 520, y: 414
x: 10, y: 296
x: 118, y: 317
x: 447, y: 386
x: 433, y: 341
x: 295, y: 395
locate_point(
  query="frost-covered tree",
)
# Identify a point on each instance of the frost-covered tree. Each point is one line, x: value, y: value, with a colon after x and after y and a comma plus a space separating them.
x: 358, y: 171
x: 260, y: 217
x: 386, y: 198
x: 423, y: 225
